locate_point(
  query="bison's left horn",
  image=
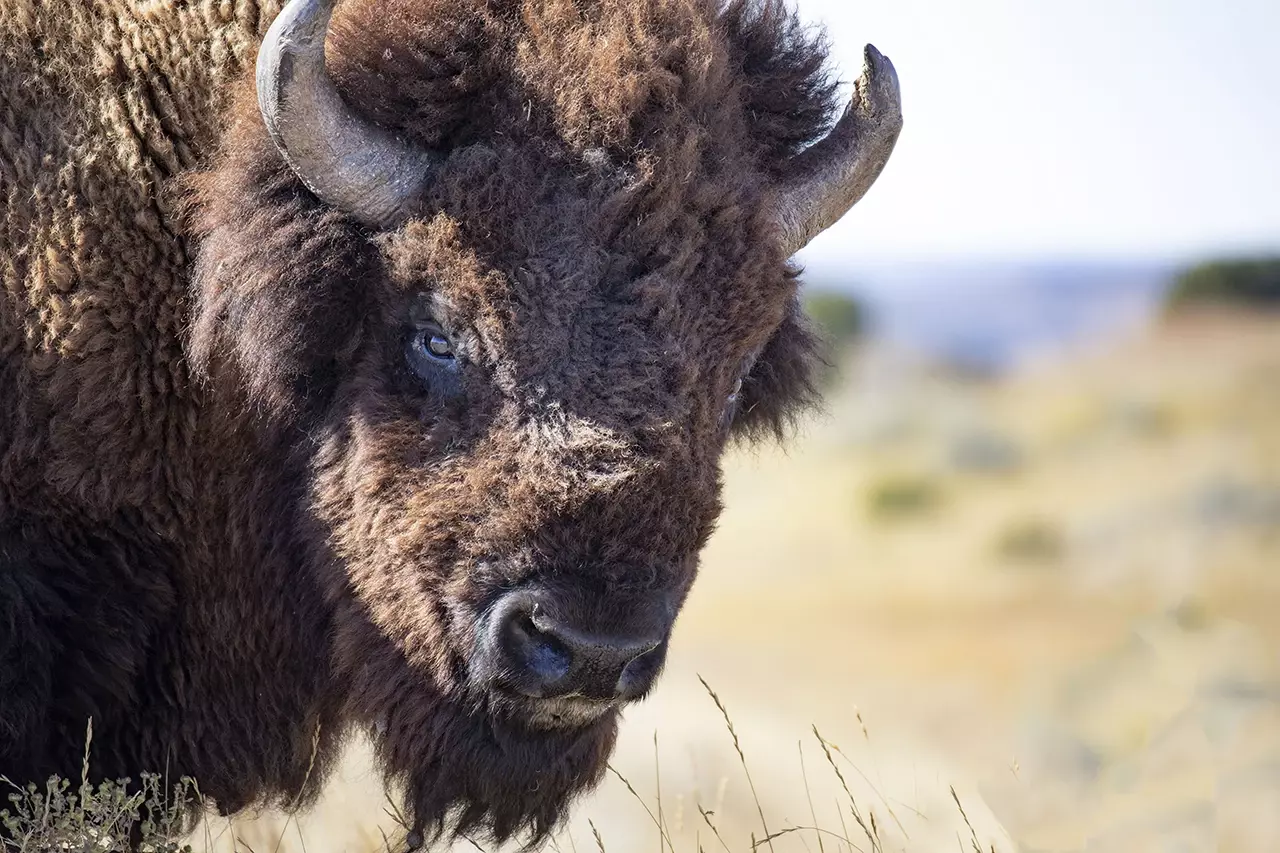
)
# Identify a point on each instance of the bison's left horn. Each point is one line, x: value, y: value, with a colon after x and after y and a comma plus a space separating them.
x: 345, y: 160
x: 835, y: 173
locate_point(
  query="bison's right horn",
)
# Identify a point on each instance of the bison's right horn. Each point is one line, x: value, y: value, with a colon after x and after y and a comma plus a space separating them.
x: 835, y: 173
x: 345, y: 160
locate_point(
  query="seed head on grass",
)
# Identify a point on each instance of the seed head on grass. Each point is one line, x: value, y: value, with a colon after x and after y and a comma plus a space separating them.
x: 596, y: 833
x: 755, y: 845
x: 973, y: 835
x: 741, y: 757
x: 853, y: 803
x: 84, y: 766
x: 888, y: 806
x: 662, y: 831
x: 706, y: 817
x: 857, y: 712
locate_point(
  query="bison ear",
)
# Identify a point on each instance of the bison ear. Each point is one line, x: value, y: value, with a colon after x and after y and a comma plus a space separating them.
x: 783, y: 384
x: 276, y: 318
x: 789, y: 97
x: 280, y: 284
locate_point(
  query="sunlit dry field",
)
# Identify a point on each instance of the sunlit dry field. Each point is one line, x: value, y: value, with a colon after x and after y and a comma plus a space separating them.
x: 1052, y: 601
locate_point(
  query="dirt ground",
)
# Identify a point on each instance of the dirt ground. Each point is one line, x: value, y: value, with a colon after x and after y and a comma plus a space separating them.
x: 1051, y: 601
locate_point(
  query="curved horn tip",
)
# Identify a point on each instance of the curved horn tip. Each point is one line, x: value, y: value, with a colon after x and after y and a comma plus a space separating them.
x: 835, y: 173
x: 878, y: 86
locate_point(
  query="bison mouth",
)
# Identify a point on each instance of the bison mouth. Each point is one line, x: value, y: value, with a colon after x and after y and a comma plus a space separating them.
x: 551, y: 713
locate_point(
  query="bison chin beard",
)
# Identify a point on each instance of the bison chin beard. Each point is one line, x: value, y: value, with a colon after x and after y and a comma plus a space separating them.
x: 466, y: 770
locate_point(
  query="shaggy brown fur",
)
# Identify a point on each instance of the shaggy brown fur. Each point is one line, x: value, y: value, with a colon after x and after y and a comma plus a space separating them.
x: 230, y: 516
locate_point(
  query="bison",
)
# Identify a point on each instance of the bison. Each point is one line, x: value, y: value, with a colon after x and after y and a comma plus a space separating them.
x: 375, y: 376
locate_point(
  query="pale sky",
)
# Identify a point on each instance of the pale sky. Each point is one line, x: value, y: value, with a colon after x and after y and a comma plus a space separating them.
x: 1102, y: 128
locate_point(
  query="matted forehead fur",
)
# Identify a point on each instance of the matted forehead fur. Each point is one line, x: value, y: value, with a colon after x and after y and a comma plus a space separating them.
x: 597, y: 241
x: 660, y: 124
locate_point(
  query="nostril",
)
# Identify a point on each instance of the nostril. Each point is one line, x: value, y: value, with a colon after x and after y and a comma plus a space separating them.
x: 537, y: 652
x: 639, y: 673
x: 607, y: 667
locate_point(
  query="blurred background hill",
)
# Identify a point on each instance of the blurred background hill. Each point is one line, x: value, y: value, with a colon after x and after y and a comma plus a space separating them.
x: 987, y: 315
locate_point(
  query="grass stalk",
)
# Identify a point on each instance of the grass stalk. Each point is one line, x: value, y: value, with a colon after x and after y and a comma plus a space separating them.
x: 741, y: 757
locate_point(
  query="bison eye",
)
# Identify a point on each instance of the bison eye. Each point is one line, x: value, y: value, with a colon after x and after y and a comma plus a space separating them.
x: 431, y: 355
x: 438, y: 346
x: 432, y: 344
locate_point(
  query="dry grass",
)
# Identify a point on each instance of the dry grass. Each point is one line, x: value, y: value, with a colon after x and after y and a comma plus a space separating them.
x: 101, y: 818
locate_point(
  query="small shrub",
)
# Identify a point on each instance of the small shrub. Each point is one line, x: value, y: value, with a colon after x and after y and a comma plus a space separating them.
x: 903, y: 495
x: 1191, y: 614
x: 1145, y: 419
x: 838, y: 315
x: 96, y: 818
x: 103, y: 818
x: 1244, y: 283
x: 981, y: 452
x: 1033, y: 540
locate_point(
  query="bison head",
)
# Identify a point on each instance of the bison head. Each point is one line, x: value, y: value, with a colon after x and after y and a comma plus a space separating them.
x: 504, y: 278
